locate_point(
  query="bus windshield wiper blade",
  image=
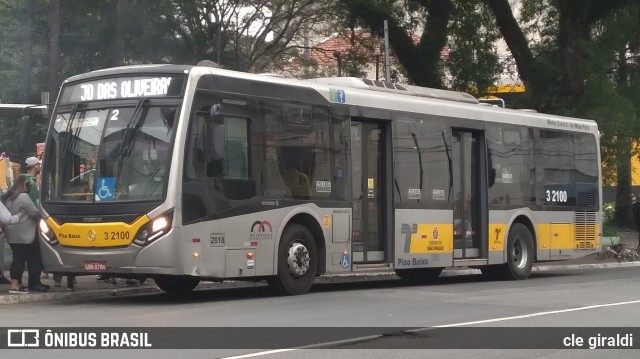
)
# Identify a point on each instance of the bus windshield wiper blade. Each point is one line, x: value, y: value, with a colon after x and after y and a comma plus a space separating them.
x: 137, y: 119
x: 68, y: 140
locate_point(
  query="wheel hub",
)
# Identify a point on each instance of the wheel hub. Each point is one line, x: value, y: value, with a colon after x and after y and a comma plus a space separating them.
x: 519, y: 253
x: 298, y: 259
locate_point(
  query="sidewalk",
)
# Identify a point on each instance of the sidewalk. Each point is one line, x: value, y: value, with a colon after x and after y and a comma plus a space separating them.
x: 88, y: 287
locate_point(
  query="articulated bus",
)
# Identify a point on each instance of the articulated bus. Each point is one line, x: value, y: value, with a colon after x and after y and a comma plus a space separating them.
x: 188, y: 173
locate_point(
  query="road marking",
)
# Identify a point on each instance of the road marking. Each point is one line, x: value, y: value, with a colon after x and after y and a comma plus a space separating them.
x: 530, y: 315
x: 251, y: 355
x: 257, y: 354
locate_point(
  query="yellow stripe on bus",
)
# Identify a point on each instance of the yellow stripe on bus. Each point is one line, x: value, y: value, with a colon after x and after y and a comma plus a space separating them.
x: 432, y: 238
x: 497, y: 237
x: 563, y: 236
x: 110, y: 234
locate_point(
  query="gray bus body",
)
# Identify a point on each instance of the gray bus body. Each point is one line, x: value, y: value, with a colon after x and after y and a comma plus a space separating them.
x: 194, y: 173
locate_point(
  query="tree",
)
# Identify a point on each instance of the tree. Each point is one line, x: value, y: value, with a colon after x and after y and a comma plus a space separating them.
x: 252, y: 36
x: 54, y: 46
x: 421, y: 60
x: 462, y: 26
x: 571, y: 70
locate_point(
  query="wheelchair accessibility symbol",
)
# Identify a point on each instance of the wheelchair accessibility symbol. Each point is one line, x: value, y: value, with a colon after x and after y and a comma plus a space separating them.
x: 105, y: 188
x: 345, y: 261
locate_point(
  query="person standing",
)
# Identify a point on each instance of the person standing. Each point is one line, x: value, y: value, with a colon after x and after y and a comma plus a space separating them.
x: 636, y: 214
x: 5, y: 218
x: 22, y: 238
x: 33, y: 165
x: 32, y: 171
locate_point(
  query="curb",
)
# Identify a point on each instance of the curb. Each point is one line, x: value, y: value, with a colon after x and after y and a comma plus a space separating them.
x: 586, y: 266
x: 471, y: 271
x: 120, y: 292
x: 91, y: 293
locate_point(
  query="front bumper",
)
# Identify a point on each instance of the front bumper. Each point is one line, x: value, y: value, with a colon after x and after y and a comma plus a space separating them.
x: 161, y: 257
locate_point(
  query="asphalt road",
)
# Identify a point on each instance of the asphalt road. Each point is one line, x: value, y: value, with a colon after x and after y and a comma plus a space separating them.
x: 567, y: 299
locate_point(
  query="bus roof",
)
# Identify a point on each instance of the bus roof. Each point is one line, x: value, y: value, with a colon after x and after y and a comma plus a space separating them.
x: 374, y: 94
x: 133, y: 69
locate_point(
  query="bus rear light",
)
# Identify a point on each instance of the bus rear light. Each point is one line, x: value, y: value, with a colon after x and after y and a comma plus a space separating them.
x: 154, y: 229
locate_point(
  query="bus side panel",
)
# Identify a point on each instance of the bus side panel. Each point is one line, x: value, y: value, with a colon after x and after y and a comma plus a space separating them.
x: 207, y: 239
x: 333, y: 244
x: 566, y: 235
x: 244, y: 246
x: 423, y: 238
x: 498, y: 226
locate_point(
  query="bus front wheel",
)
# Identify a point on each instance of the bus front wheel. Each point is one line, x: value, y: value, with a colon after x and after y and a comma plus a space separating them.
x: 176, y: 284
x: 297, y: 261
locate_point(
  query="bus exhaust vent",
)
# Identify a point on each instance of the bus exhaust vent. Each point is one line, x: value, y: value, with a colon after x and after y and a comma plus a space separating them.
x: 590, y: 199
x: 410, y: 90
x: 585, y: 233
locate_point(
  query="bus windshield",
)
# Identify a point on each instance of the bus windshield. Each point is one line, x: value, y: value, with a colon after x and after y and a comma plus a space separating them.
x: 114, y: 153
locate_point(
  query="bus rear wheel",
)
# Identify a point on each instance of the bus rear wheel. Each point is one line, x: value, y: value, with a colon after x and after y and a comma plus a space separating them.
x: 519, y: 256
x: 419, y: 275
x: 297, y: 261
x: 176, y: 284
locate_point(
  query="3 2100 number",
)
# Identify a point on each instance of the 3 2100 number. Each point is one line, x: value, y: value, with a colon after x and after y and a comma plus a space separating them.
x: 554, y: 196
x: 116, y: 235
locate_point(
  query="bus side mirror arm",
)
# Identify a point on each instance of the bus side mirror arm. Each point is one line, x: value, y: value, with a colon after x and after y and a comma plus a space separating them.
x: 23, y: 130
x: 214, y: 110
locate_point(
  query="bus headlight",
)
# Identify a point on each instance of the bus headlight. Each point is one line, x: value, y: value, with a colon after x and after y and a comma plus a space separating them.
x: 154, y: 229
x: 47, y: 233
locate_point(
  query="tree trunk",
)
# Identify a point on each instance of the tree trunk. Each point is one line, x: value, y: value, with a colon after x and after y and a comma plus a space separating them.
x: 573, y: 28
x: 28, y: 53
x: 54, y: 47
x: 119, y: 45
x: 517, y: 43
x: 419, y: 60
x: 623, y: 216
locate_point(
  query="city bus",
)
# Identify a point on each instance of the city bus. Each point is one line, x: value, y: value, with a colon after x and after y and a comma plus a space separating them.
x: 189, y: 173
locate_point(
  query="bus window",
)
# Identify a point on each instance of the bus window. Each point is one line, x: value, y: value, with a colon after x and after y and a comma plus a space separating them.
x: 217, y: 164
x: 297, y: 151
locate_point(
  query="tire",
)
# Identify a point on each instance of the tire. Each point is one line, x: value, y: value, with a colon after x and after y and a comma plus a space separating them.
x: 520, y: 254
x: 177, y: 284
x: 297, y: 261
x: 419, y: 275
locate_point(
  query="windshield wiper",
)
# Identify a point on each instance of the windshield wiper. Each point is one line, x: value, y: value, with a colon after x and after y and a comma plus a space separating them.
x: 130, y: 133
x: 68, y: 139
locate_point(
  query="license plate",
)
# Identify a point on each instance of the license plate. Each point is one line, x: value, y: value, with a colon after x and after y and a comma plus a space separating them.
x: 95, y: 266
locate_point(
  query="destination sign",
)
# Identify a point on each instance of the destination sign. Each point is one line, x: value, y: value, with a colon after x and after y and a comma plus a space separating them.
x: 123, y: 88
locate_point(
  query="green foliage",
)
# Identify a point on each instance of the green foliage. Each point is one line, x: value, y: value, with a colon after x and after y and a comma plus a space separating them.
x: 418, y: 30
x: 608, y: 214
x: 473, y: 62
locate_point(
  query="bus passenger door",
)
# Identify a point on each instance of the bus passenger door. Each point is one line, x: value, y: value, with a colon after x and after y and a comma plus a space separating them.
x: 368, y: 189
x: 469, y: 195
